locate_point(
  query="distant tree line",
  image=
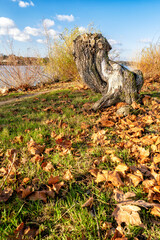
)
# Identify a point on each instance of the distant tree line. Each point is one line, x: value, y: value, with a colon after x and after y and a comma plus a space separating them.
x: 19, y: 60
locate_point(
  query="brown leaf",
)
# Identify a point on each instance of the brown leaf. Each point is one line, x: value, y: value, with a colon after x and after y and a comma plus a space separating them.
x: 115, y: 158
x: 37, y: 158
x: 156, y: 211
x: 94, y: 172
x: 67, y: 176
x: 25, y: 180
x: 49, y: 150
x: 149, y: 183
x: 127, y: 214
x: 113, y: 177
x: 120, y: 196
x: 118, y: 236
x: 18, y: 139
x: 35, y: 148
x: 134, y: 179
x: 38, y: 195
x: 5, y: 194
x: 120, y: 104
x: 88, y: 203
x: 122, y: 168
x: 3, y: 171
x: 56, y: 187
x: 156, y: 159
x: 47, y: 166
x: 53, y: 180
x: 24, y: 192
x: 146, y: 100
x: 106, y: 123
x: 100, y: 178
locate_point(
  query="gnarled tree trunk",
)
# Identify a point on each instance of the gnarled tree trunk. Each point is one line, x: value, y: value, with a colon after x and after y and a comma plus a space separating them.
x: 115, y: 82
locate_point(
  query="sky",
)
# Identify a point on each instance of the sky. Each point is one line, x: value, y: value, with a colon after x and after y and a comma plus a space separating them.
x: 129, y: 25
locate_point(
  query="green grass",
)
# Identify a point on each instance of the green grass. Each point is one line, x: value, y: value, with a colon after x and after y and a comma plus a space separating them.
x: 62, y: 217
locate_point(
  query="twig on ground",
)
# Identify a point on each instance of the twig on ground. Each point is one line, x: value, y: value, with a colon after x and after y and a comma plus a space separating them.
x: 14, y: 158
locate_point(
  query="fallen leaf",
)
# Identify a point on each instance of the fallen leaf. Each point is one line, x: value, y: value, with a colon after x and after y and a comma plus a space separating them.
x: 106, y: 225
x: 120, y: 196
x: 53, y: 180
x: 106, y: 123
x: 56, y: 187
x: 122, y: 168
x: 134, y: 179
x: 149, y: 183
x: 67, y: 176
x: 35, y: 148
x: 24, y: 192
x: 127, y: 214
x: 25, y: 180
x: 37, y: 158
x: 18, y: 139
x: 115, y: 158
x: 113, y: 177
x: 38, y: 195
x: 49, y: 150
x: 156, y: 159
x: 47, y: 166
x: 88, y: 203
x: 146, y: 100
x: 118, y: 236
x: 156, y: 211
x: 94, y: 172
x: 100, y: 178
x: 5, y: 194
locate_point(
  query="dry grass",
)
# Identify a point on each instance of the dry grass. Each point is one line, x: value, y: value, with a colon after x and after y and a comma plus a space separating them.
x: 149, y: 61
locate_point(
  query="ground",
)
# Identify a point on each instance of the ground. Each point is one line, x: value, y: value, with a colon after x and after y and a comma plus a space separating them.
x: 70, y: 173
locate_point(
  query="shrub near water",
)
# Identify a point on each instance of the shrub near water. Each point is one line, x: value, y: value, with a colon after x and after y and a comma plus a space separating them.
x: 149, y: 61
x: 61, y: 64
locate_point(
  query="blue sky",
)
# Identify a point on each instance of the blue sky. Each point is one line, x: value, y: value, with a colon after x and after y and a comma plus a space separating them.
x: 129, y: 25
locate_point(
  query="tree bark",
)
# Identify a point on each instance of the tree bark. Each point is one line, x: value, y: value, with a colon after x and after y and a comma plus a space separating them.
x: 114, y: 81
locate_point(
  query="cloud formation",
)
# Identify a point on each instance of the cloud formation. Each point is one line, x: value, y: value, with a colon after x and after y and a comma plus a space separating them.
x: 24, y: 4
x: 8, y: 27
x: 32, y: 31
x: 114, y: 42
x: 69, y: 18
x: 48, y: 23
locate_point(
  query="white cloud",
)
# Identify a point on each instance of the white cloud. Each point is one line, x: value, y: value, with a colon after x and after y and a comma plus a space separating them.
x: 53, y: 34
x: 48, y: 22
x: 69, y: 18
x: 114, y: 42
x: 145, y: 40
x: 14, y: 32
x: 41, y: 41
x: 6, y: 22
x: 23, y: 4
x: 8, y: 27
x: 82, y: 29
x: 22, y: 37
x: 32, y: 31
x: 31, y: 4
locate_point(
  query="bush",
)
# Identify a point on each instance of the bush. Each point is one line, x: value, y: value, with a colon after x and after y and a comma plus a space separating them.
x: 61, y: 64
x: 149, y: 61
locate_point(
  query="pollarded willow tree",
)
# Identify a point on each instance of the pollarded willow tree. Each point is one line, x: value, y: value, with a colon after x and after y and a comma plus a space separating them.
x: 115, y: 82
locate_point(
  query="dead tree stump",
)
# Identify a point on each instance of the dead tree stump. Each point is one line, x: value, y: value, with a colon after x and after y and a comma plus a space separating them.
x: 115, y: 82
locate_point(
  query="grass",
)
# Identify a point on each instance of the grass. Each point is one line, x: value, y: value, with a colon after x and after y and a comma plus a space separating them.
x: 63, y: 217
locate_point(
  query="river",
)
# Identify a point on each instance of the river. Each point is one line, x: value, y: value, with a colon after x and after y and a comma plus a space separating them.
x: 14, y: 76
